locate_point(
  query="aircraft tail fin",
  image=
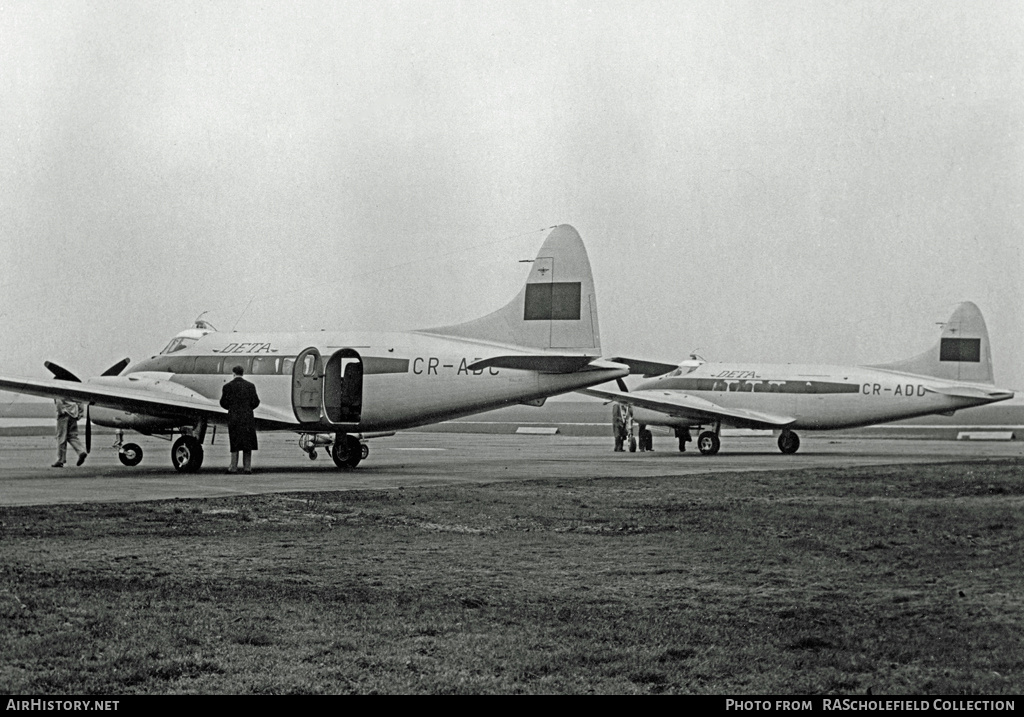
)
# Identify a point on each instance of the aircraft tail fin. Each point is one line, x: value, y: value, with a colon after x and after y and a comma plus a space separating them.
x: 962, y: 353
x: 556, y: 309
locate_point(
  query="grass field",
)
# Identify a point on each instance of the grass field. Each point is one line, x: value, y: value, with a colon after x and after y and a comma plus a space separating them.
x: 902, y: 580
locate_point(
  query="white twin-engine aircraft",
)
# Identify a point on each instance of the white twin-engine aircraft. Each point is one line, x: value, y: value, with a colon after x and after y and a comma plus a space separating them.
x: 956, y: 373
x: 337, y: 389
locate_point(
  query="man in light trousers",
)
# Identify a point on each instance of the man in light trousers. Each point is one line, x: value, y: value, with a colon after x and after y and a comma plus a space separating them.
x: 68, y: 413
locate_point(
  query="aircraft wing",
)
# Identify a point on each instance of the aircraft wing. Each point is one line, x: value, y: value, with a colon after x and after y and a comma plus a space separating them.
x: 683, y: 405
x: 137, y: 394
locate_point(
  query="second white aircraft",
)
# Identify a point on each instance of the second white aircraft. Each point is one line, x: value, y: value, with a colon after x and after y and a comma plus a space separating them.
x: 955, y: 373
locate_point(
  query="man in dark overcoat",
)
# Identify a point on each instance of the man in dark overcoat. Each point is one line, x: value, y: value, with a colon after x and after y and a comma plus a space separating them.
x: 239, y: 398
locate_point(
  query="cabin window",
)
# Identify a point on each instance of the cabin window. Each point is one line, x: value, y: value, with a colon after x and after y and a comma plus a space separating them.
x: 309, y: 365
x: 208, y: 364
x: 287, y: 364
x: 180, y: 364
x: 264, y: 365
x: 230, y: 363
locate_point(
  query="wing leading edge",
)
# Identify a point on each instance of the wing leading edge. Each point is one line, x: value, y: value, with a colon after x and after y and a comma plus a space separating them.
x: 150, y: 396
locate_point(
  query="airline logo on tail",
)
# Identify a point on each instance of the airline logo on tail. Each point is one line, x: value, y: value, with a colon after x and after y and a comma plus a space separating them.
x: 960, y: 350
x: 554, y: 301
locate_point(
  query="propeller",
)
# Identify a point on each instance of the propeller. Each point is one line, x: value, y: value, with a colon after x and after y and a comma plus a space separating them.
x: 117, y: 368
x: 622, y: 385
x: 62, y: 374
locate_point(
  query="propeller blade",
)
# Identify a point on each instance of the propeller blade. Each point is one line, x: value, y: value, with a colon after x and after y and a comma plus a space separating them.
x: 60, y: 373
x: 88, y: 431
x: 622, y: 385
x: 117, y: 368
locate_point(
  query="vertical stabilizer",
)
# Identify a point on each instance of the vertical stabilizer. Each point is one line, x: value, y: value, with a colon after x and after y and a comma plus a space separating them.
x: 556, y: 309
x: 962, y: 353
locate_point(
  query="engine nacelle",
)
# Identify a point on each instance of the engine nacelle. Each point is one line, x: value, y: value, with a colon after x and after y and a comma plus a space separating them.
x: 126, y: 420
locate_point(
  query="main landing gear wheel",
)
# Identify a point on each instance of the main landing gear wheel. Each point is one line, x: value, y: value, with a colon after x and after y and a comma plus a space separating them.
x: 130, y: 454
x: 789, y: 442
x: 187, y: 454
x: 347, y: 452
x: 708, y: 443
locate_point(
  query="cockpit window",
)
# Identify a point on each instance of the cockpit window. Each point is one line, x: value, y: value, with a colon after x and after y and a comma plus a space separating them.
x: 178, y: 343
x: 681, y: 371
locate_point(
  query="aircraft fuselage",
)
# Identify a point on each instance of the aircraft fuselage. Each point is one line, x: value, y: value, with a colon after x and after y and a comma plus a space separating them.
x: 345, y: 382
x: 816, y: 396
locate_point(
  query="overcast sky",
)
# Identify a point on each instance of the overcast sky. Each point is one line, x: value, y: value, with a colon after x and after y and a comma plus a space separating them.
x: 815, y: 182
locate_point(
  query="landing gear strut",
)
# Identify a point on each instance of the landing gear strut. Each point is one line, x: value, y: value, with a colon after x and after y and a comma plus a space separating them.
x: 130, y: 454
x: 347, y: 451
x: 309, y: 442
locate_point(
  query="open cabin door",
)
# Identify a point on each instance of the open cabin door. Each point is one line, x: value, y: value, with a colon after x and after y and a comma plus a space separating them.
x: 343, y: 387
x: 307, y: 386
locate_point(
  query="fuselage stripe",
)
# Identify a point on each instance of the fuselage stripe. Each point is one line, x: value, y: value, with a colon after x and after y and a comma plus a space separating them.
x: 259, y: 365
x: 755, y: 385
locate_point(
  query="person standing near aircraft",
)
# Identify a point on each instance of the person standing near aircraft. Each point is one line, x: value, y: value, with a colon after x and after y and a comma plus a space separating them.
x: 645, y: 438
x: 68, y: 413
x: 683, y: 434
x: 239, y: 398
x: 622, y: 419
x: 617, y: 428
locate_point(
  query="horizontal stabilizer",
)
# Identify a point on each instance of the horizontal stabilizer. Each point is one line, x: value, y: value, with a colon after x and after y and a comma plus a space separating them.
x: 682, y: 405
x: 647, y: 368
x: 545, y: 363
x: 988, y: 394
